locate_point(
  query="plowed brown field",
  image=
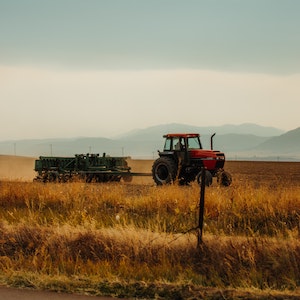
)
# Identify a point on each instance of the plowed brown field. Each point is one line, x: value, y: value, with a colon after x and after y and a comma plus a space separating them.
x: 260, y: 172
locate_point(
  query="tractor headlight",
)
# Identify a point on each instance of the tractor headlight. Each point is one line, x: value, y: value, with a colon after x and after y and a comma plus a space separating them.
x: 220, y: 157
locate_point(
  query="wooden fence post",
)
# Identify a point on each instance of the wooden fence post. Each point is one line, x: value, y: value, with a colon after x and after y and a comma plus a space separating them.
x: 201, y: 206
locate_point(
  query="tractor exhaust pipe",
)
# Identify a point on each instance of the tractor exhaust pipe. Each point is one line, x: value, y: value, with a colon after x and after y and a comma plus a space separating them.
x: 211, y: 141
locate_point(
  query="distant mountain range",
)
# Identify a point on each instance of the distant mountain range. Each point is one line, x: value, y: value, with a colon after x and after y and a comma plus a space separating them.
x: 245, y: 141
x: 246, y: 128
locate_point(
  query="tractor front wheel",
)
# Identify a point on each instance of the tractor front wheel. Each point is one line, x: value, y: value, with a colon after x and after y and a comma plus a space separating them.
x: 208, y: 178
x: 224, y: 178
x: 164, y: 170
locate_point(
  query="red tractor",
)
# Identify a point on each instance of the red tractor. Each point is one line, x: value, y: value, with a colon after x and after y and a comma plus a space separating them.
x: 183, y: 160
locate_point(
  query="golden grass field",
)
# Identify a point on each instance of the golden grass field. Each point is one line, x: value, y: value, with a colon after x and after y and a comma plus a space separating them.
x: 138, y: 241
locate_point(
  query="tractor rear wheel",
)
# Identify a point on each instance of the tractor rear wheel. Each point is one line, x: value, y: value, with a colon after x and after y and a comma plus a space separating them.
x: 164, y: 170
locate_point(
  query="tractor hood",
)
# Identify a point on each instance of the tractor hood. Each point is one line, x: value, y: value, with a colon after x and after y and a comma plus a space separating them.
x: 212, y: 159
x: 206, y: 154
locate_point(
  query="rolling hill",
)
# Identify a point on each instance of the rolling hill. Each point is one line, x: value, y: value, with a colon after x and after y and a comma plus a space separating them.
x: 288, y: 143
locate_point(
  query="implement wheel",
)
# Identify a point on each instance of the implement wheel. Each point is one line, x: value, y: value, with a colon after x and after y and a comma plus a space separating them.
x: 127, y: 177
x: 164, y: 170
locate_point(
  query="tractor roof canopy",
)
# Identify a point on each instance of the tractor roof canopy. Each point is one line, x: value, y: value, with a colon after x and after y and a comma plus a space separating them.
x: 181, y: 135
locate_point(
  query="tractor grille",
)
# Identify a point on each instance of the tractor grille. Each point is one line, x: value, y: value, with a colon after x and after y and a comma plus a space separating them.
x: 220, y: 160
x: 219, y: 164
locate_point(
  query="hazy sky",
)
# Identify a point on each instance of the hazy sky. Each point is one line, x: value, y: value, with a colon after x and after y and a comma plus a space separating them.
x: 103, y: 67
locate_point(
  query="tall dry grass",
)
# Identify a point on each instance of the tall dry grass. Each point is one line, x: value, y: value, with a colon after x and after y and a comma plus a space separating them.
x: 94, y: 236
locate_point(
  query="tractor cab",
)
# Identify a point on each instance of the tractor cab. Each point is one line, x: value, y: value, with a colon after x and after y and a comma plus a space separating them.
x: 183, y: 159
x: 182, y: 142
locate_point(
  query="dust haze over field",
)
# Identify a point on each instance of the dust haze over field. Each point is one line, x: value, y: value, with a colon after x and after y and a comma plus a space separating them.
x: 17, y: 168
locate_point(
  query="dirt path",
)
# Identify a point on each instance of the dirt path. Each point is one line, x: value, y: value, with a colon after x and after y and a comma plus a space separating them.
x: 25, y: 294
